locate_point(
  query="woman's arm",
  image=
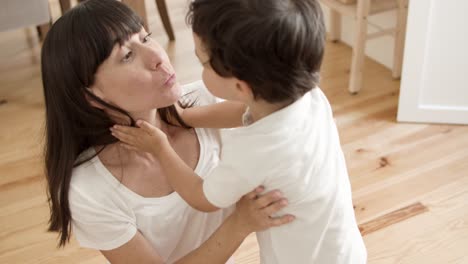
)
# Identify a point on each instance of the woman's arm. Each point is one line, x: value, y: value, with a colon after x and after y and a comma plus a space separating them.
x: 225, y: 114
x: 252, y: 214
x: 137, y: 250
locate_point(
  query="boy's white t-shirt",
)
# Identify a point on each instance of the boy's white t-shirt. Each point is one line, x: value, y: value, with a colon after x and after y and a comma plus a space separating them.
x: 296, y: 150
x: 106, y: 214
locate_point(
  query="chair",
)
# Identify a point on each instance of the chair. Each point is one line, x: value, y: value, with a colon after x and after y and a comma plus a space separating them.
x: 23, y: 13
x: 361, y: 10
x: 139, y: 7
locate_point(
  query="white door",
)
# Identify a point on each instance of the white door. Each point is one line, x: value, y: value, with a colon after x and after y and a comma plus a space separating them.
x: 434, y: 85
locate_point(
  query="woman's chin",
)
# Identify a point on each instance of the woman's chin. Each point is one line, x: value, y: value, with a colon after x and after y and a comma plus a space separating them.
x: 176, y: 92
x: 172, y: 97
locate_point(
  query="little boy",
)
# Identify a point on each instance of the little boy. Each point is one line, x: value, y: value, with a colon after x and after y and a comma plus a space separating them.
x: 263, y: 57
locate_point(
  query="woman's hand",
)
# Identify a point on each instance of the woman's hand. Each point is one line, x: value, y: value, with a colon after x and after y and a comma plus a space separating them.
x: 145, y: 137
x: 254, y: 211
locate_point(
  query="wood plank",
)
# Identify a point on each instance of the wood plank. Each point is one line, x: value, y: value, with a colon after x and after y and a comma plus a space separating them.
x: 437, y: 236
x: 392, y: 218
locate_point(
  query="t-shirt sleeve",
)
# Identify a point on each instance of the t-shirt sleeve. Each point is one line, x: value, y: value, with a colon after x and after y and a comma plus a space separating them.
x: 99, y: 222
x: 224, y: 186
x: 234, y: 177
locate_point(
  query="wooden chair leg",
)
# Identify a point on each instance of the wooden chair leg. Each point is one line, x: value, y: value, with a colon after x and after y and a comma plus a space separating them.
x: 335, y: 25
x: 162, y: 8
x: 139, y: 7
x: 65, y: 5
x: 357, y: 61
x: 400, y: 33
x: 42, y: 30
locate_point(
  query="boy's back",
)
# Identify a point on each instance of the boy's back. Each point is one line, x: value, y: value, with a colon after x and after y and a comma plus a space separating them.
x: 297, y: 151
x: 267, y: 54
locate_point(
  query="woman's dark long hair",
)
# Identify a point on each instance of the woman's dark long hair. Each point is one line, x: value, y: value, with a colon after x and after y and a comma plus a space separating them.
x: 74, y: 48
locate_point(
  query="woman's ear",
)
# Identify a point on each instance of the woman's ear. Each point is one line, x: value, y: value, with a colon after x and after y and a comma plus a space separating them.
x: 91, y: 95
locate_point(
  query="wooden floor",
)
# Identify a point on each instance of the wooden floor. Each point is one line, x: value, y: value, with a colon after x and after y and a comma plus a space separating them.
x: 409, y: 181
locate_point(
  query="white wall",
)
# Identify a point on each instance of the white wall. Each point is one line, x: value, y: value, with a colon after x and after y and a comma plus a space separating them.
x: 447, y: 56
x: 380, y: 49
x: 434, y: 85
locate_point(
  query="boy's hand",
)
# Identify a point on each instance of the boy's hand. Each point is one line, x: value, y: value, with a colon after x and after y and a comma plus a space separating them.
x: 145, y: 137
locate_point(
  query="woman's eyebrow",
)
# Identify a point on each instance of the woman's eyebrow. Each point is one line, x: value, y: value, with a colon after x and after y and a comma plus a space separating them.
x: 122, y: 40
x: 119, y: 41
x: 120, y: 44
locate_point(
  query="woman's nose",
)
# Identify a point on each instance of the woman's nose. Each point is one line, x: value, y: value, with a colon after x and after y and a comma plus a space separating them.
x: 153, y: 58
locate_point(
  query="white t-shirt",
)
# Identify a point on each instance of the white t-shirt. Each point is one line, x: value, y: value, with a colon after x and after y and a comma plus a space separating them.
x: 296, y: 150
x: 106, y: 214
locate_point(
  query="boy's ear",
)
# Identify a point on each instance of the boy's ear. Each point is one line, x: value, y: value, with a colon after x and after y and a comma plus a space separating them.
x: 244, y: 91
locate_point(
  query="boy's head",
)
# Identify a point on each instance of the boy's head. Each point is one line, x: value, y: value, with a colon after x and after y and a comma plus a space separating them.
x: 274, y: 46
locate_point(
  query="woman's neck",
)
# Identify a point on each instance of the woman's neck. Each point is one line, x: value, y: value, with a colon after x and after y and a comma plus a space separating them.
x: 151, y: 117
x: 114, y: 154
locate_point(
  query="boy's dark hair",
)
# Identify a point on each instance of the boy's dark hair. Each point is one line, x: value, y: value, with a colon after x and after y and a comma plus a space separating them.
x: 276, y: 46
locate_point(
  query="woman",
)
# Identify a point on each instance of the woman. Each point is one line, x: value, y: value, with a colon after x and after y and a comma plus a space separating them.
x: 99, y: 68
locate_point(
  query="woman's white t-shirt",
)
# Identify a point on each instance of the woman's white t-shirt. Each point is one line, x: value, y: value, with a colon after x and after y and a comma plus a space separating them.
x: 106, y: 214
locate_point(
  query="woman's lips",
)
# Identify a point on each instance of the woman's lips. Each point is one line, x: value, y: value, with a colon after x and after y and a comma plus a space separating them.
x: 170, y: 81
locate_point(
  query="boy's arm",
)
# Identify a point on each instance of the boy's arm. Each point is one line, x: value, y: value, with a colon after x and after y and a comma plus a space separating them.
x: 225, y: 114
x: 181, y: 177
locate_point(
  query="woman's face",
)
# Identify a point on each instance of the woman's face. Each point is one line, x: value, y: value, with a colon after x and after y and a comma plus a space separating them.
x: 137, y: 76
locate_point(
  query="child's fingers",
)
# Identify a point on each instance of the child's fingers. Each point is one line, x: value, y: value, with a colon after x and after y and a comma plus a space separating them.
x: 129, y: 147
x: 124, y: 129
x: 146, y: 126
x: 126, y: 138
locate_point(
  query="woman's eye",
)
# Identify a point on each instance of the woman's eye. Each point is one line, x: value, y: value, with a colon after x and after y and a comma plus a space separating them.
x: 147, y: 37
x: 127, y: 56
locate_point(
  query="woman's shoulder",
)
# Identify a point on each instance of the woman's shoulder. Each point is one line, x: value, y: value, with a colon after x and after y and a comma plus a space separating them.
x: 92, y: 196
x: 86, y: 172
x: 101, y: 219
x: 89, y: 181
